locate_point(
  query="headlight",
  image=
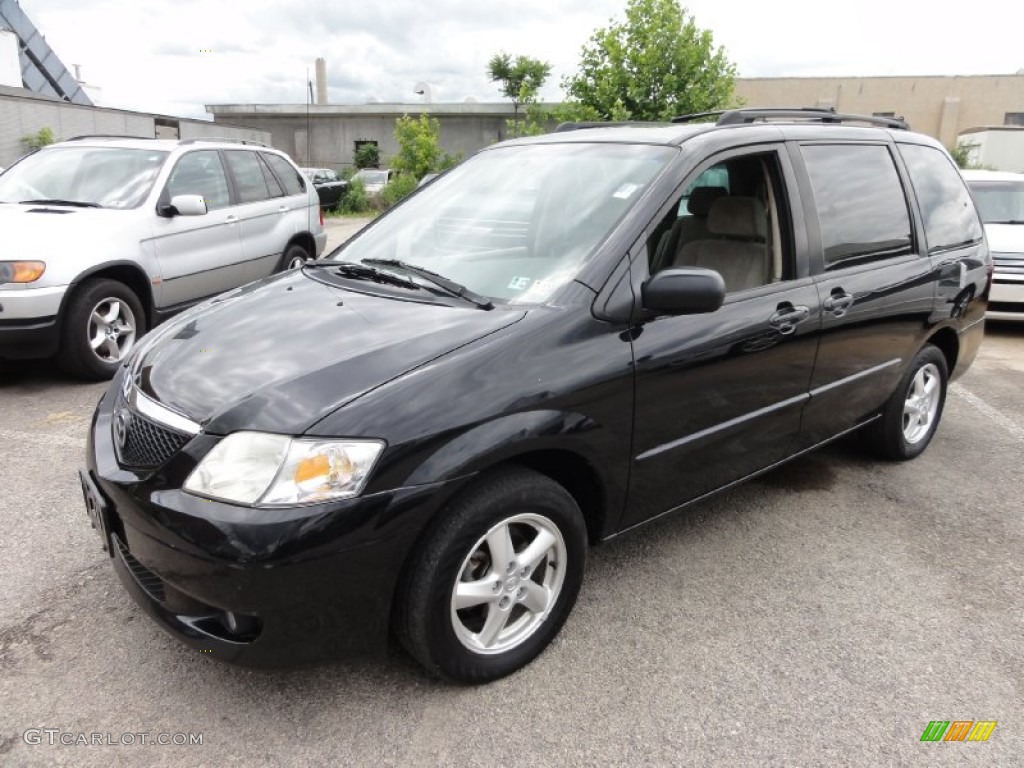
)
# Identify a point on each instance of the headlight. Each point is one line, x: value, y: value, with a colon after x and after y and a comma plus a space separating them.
x: 21, y: 271
x: 266, y: 470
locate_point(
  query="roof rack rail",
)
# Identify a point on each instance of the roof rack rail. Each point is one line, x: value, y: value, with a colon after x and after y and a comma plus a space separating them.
x: 697, y: 116
x: 105, y: 136
x: 225, y: 139
x: 746, y: 115
x: 563, y: 127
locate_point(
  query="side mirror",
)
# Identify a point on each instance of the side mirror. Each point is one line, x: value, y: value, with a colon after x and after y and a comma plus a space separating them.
x: 184, y: 205
x: 684, y: 291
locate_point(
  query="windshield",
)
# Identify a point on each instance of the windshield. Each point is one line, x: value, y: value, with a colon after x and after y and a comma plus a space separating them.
x: 515, y: 223
x: 1000, y: 202
x: 109, y: 177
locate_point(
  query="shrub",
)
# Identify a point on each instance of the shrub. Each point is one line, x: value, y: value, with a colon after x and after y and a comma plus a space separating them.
x: 398, y: 188
x: 38, y: 140
x: 355, y: 200
x: 367, y: 156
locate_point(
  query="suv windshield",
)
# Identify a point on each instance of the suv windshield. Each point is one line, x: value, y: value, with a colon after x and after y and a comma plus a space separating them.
x: 999, y: 202
x: 515, y: 223
x: 109, y: 177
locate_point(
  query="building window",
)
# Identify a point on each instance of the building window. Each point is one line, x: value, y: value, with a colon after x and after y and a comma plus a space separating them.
x: 366, y: 153
x: 1013, y: 118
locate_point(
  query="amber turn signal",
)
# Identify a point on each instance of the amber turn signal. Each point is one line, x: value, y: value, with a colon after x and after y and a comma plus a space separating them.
x: 21, y: 271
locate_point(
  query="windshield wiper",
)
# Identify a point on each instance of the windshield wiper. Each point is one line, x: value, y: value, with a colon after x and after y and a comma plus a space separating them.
x: 361, y: 272
x: 76, y: 203
x: 448, y: 286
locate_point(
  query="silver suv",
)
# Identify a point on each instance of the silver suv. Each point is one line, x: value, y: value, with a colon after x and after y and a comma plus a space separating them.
x: 104, y: 237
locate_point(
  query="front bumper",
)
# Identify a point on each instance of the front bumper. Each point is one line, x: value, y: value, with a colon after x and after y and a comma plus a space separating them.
x: 257, y: 587
x: 1006, y: 297
x: 28, y: 321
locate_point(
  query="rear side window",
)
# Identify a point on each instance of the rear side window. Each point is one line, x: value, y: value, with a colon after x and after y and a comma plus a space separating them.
x: 950, y: 220
x: 862, y: 210
x: 249, y: 179
x: 289, y: 177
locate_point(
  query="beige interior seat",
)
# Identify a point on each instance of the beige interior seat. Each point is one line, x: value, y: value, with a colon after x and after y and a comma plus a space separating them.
x: 739, y: 250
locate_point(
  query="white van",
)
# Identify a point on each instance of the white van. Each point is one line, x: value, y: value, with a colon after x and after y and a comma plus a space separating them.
x: 103, y: 237
x: 1000, y: 200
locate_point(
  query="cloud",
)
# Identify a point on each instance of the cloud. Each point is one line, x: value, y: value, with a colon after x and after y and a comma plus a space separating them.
x: 161, y: 56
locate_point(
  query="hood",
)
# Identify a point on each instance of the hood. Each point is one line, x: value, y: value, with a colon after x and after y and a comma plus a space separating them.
x: 280, y: 354
x: 23, y: 227
x: 1005, y: 238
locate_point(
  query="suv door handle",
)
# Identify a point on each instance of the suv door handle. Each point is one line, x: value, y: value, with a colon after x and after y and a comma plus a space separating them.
x: 231, y: 218
x: 838, y: 303
x: 283, y: 209
x: 787, y: 317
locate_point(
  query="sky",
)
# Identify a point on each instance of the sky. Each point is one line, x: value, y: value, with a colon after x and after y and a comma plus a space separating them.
x: 175, y: 57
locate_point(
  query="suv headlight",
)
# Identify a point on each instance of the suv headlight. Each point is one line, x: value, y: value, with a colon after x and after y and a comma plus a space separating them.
x: 264, y: 470
x: 21, y: 271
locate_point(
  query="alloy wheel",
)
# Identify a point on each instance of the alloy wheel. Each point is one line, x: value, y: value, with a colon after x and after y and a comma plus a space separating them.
x: 921, y: 404
x: 508, y: 584
x: 112, y: 330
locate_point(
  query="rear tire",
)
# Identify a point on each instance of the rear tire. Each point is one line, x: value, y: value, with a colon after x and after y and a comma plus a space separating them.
x: 912, y: 413
x: 510, y: 610
x: 102, y: 322
x: 294, y: 257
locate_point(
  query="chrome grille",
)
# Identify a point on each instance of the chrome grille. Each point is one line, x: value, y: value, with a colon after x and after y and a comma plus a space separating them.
x: 1009, y: 263
x: 144, y: 443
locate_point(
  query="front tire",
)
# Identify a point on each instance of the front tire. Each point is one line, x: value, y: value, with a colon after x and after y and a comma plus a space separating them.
x: 493, y: 584
x: 912, y: 413
x: 103, y: 321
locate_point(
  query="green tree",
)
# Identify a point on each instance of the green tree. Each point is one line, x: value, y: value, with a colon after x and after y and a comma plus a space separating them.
x: 419, y: 148
x: 961, y: 154
x: 521, y: 79
x: 654, y: 65
x: 38, y: 140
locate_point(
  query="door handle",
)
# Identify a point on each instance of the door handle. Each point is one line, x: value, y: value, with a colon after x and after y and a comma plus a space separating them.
x: 231, y: 218
x: 283, y: 209
x: 787, y: 317
x: 838, y: 303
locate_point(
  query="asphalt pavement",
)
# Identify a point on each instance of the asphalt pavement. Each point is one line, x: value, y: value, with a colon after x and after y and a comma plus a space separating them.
x: 821, y: 615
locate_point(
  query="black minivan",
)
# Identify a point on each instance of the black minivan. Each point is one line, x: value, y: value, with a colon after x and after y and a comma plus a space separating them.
x: 559, y: 340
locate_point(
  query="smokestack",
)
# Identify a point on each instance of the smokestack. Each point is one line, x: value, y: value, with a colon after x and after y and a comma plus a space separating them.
x: 321, y: 81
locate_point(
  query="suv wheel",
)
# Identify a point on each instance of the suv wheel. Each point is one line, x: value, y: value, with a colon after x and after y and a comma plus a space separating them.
x: 103, y: 320
x: 913, y: 412
x: 294, y: 257
x: 494, y: 583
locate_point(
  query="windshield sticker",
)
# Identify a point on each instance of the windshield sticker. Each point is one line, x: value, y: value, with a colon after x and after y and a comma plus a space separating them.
x: 519, y: 283
x: 626, y: 191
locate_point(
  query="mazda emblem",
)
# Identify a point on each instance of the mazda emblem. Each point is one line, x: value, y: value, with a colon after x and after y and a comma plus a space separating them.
x: 121, y: 428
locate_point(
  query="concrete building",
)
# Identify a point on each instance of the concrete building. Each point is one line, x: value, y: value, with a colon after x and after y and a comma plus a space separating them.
x: 23, y: 112
x: 943, y: 107
x: 327, y: 135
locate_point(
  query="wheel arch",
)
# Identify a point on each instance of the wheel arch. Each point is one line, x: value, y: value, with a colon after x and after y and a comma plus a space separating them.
x: 948, y: 342
x: 126, y: 272
x: 306, y: 240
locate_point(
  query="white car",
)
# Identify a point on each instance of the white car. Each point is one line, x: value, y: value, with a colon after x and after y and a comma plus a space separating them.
x: 374, y: 179
x: 1000, y: 200
x: 104, y: 237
